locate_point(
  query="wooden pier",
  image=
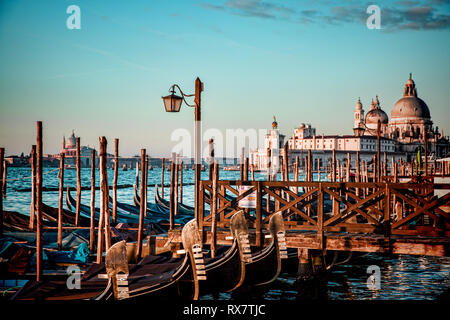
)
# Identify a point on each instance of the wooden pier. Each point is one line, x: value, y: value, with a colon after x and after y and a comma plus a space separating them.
x: 388, y: 217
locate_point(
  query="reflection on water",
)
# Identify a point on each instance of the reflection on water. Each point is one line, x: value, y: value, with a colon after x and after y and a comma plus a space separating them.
x: 402, y: 277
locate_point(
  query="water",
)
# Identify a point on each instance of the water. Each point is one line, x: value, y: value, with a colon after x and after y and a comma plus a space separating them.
x: 402, y: 277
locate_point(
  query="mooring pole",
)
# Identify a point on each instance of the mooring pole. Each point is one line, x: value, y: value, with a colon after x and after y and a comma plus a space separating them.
x: 33, y: 187
x: 162, y: 178
x: 60, y: 199
x: 214, y: 209
x: 92, y: 226
x: 116, y: 173
x: 211, y: 158
x: 39, y: 236
x: 5, y: 173
x: 172, y: 198
x: 2, y: 156
x: 101, y: 220
x: 142, y: 207
x: 378, y: 166
x: 104, y: 193
x: 77, y: 213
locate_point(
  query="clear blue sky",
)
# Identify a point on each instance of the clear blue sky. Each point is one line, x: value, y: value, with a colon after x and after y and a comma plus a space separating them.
x: 303, y: 61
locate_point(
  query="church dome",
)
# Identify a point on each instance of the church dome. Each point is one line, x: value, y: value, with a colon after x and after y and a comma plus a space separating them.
x: 376, y: 113
x: 71, y: 142
x: 373, y: 115
x: 410, y: 106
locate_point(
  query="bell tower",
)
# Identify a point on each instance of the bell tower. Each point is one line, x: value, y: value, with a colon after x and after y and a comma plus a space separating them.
x: 358, y: 126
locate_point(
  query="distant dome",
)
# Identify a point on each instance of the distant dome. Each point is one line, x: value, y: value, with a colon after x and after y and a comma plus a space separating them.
x: 410, y: 106
x: 71, y: 142
x: 373, y: 115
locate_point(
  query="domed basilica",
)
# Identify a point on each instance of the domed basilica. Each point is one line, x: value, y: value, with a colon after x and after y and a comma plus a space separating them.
x: 409, y: 122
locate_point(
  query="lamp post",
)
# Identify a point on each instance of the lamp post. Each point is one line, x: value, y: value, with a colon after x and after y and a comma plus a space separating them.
x: 172, y: 103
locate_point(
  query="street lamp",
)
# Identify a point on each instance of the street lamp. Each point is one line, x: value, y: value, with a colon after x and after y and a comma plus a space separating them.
x: 172, y: 103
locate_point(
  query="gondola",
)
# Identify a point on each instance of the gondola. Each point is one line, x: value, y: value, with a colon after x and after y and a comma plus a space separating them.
x: 163, y: 205
x: 68, y: 217
x: 157, y: 223
x: 15, y: 221
x: 223, y: 273
x: 181, y: 209
x: 151, y: 207
x: 154, y: 277
x: 262, y: 266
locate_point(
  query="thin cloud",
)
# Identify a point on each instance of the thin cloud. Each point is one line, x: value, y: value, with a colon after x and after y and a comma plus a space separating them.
x: 252, y: 8
x: 402, y: 15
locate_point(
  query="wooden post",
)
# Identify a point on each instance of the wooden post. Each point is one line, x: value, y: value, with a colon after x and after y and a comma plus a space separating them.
x: 101, y: 220
x: 378, y: 166
x: 172, y: 199
x: 146, y: 184
x: 340, y: 170
x: 318, y: 169
x: 162, y: 179
x: 320, y: 220
x: 33, y: 187
x: 104, y: 192
x: 357, y: 173
x: 286, y: 162
x: 385, y: 165
x: 258, y: 222
x: 347, y: 169
x: 39, y: 231
x: 5, y: 173
x: 142, y: 207
x: 241, y: 165
x: 269, y: 163
x: 175, y: 167
x: 137, y: 174
x: 77, y: 206
x: 181, y: 181
x: 333, y: 167
x: 214, y: 177
x: 60, y: 199
x: 296, y: 173
x: 2, y: 157
x: 92, y: 226
x: 335, y: 203
x: 211, y: 159
x: 310, y: 166
x: 246, y: 169
x: 425, y: 145
x: 116, y: 172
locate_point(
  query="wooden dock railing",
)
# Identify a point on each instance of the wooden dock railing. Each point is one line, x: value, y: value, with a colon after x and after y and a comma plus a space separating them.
x: 383, y: 208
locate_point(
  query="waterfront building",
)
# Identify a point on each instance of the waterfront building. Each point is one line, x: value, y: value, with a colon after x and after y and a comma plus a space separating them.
x: 402, y: 136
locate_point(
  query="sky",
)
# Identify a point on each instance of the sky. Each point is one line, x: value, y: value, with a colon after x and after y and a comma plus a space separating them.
x: 302, y: 61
